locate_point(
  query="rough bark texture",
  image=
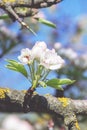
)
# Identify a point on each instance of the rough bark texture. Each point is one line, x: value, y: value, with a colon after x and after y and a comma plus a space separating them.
x: 13, y: 101
x: 14, y: 7
x: 28, y: 3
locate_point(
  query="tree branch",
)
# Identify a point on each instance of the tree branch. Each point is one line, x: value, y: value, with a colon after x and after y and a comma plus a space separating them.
x: 29, y: 3
x: 12, y: 9
x: 13, y: 101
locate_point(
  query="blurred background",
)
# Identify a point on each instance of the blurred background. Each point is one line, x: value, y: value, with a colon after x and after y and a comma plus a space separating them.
x: 69, y: 40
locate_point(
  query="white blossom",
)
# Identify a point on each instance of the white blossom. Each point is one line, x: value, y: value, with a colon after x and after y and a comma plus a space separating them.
x: 25, y: 56
x: 51, y: 60
x: 38, y: 50
x: 47, y: 58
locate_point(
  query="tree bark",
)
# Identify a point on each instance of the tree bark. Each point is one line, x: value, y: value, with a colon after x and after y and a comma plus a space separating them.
x: 29, y: 3
x: 13, y: 101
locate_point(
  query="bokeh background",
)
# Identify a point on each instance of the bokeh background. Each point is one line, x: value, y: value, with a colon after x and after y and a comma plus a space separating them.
x: 70, y: 41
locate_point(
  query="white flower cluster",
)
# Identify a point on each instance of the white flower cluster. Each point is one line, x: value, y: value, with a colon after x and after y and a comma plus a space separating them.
x: 47, y: 58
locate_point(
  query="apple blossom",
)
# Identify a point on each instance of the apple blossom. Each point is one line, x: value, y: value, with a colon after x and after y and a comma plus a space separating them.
x: 51, y: 60
x: 47, y: 58
x: 25, y: 56
x: 38, y: 49
x: 41, y: 61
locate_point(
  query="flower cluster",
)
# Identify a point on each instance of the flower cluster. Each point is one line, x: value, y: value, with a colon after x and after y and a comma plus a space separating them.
x: 46, y: 57
x: 40, y: 62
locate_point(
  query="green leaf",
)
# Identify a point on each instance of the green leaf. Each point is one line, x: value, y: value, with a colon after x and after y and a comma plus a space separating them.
x: 14, y: 65
x: 65, y: 81
x: 43, y: 84
x: 46, y: 22
x: 11, y: 68
x: 54, y: 83
x: 4, y: 16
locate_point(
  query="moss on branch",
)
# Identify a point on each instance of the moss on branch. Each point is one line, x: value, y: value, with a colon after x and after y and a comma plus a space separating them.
x: 3, y: 92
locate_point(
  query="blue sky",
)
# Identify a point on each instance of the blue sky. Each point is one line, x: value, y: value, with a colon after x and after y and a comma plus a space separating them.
x: 74, y: 7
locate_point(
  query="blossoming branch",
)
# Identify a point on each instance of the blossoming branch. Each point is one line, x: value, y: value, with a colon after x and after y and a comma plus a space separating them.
x: 40, y: 61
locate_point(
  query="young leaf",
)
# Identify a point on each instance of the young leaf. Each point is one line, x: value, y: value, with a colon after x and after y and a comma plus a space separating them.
x: 43, y: 84
x: 65, y: 81
x: 14, y: 65
x: 54, y: 83
x: 46, y: 22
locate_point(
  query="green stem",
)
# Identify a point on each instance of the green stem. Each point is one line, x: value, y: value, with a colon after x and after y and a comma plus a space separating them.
x: 31, y: 73
x: 45, y: 74
x: 33, y: 70
x: 35, y: 82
